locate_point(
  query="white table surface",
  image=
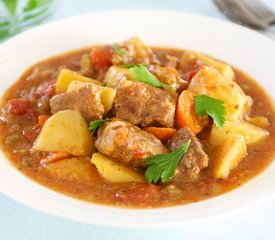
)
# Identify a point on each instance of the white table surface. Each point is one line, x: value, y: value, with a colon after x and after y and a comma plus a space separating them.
x: 18, y: 222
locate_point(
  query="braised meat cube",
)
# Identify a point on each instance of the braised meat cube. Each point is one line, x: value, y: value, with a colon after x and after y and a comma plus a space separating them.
x: 194, y: 160
x: 86, y: 100
x: 145, y: 105
x: 127, y: 143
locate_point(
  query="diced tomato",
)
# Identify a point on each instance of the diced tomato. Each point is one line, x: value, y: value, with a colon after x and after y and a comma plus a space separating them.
x: 140, y: 194
x: 18, y: 106
x: 101, y: 58
x: 46, y: 89
x: 31, y: 133
x: 138, y: 153
x: 188, y: 76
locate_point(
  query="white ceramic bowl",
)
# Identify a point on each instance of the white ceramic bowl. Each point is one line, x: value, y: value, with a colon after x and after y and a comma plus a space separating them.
x: 236, y: 45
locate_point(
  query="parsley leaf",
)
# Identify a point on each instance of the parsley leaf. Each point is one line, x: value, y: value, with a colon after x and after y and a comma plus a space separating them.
x: 11, y: 5
x: 213, y: 107
x: 164, y: 165
x: 141, y: 74
x: 94, y: 125
x: 117, y: 49
x: 32, y: 4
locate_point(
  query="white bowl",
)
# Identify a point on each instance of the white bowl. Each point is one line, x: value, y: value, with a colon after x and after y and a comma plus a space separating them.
x: 236, y: 45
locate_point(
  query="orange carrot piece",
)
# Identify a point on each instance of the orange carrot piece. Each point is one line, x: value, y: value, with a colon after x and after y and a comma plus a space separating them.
x: 161, y: 133
x: 54, y: 157
x: 186, y: 115
x: 42, y: 119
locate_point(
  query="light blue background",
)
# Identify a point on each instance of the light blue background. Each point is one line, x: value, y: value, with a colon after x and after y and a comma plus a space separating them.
x: 18, y: 222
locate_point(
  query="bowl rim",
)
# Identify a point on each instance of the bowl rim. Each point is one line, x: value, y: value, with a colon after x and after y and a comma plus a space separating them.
x: 140, y: 212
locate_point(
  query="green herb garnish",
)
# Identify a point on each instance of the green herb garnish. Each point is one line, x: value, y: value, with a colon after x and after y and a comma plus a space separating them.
x: 117, y: 49
x: 11, y: 5
x: 213, y: 107
x: 32, y: 4
x: 163, y: 166
x: 94, y: 125
x: 126, y: 65
x: 141, y: 74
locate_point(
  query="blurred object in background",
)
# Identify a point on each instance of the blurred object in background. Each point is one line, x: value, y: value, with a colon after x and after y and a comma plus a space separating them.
x: 252, y: 13
x: 17, y: 15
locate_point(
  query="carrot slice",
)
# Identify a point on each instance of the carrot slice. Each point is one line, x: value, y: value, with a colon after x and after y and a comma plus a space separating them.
x: 42, y: 119
x: 186, y: 115
x: 54, y: 157
x: 161, y: 133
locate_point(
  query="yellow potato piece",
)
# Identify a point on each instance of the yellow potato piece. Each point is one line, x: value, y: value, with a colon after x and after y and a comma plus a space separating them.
x: 107, y: 96
x: 72, y: 169
x: 113, y: 171
x: 251, y: 133
x: 66, y: 131
x: 230, y: 153
x: 115, y: 75
x: 208, y: 81
x: 259, y: 121
x: 224, y: 69
x: 66, y: 76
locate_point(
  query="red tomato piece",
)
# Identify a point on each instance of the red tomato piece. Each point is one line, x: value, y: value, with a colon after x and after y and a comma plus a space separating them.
x: 18, y: 106
x: 101, y: 58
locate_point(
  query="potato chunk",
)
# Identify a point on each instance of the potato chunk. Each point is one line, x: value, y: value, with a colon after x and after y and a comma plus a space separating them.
x: 230, y: 153
x: 251, y: 133
x: 107, y: 95
x: 66, y: 131
x: 66, y: 76
x: 115, y: 75
x: 113, y: 171
x: 73, y: 169
x: 210, y: 82
x: 224, y: 69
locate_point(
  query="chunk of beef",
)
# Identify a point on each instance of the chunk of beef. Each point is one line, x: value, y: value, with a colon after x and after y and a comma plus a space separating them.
x: 194, y: 160
x: 86, y: 100
x: 127, y: 143
x: 145, y: 105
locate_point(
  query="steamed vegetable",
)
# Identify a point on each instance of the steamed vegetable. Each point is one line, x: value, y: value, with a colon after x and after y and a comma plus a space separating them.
x: 186, y: 115
x: 72, y: 169
x: 251, y: 133
x: 66, y: 131
x: 115, y: 75
x: 161, y: 133
x: 230, y: 153
x: 66, y: 76
x: 210, y: 82
x: 113, y: 171
x: 262, y: 122
x: 225, y: 70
